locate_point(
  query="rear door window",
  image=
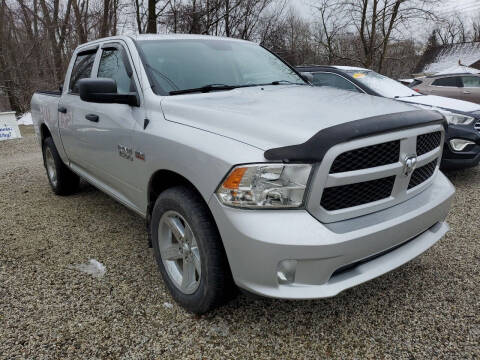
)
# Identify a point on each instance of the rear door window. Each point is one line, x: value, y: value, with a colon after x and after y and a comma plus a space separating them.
x: 333, y: 80
x: 82, y: 68
x: 471, y: 81
x: 453, y: 81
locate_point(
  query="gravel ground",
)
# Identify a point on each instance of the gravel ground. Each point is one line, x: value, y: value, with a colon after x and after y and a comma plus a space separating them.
x: 428, y: 308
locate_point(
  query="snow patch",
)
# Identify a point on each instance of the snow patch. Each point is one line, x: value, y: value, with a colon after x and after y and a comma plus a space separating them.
x: 168, y: 305
x: 25, y: 119
x: 92, y: 267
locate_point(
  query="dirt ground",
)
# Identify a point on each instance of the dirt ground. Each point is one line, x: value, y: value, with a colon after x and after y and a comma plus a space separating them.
x: 428, y: 308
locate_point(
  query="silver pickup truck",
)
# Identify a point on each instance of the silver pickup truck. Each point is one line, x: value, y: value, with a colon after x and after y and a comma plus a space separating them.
x: 247, y: 176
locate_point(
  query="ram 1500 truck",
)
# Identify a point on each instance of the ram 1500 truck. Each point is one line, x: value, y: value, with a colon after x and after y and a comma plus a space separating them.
x: 248, y: 177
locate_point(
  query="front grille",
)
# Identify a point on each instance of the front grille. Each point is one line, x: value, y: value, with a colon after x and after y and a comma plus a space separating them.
x: 370, y: 174
x: 428, y: 142
x: 422, y: 174
x: 477, y: 126
x: 367, y: 157
x: 341, y: 197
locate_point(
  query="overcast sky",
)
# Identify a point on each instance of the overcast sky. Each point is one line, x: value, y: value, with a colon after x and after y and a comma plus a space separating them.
x: 465, y: 7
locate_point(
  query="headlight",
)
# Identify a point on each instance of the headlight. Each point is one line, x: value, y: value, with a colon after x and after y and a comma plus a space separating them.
x: 452, y: 118
x: 457, y: 119
x: 265, y: 186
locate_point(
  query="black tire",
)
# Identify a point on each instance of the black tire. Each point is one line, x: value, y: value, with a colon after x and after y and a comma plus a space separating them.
x: 66, y: 181
x: 216, y: 285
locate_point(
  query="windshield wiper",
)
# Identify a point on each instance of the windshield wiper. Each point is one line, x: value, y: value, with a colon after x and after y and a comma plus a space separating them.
x: 204, y: 89
x: 220, y: 87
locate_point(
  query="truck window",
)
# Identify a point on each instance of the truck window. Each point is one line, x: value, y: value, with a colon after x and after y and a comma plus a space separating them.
x: 333, y: 80
x: 112, y: 66
x: 81, y: 69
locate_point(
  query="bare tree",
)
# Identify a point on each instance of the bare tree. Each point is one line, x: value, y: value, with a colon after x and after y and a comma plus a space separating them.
x: 373, y: 23
x: 328, y: 26
x: 452, y: 30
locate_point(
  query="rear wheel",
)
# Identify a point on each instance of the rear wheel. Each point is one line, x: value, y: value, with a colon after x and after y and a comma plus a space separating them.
x: 189, y: 251
x: 62, y: 180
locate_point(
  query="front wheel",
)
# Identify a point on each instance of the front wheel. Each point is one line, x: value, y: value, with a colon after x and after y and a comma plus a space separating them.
x: 189, y: 251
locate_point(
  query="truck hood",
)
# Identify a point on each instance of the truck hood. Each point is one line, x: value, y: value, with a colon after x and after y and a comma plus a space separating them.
x: 442, y: 102
x: 274, y: 116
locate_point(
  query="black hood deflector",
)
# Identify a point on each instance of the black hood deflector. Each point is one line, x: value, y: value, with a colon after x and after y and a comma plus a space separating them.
x: 314, y: 149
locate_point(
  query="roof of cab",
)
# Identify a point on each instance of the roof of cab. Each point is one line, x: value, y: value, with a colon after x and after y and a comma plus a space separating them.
x: 156, y: 37
x: 153, y: 37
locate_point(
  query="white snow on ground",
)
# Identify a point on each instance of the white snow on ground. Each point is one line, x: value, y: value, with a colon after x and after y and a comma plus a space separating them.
x: 92, y: 267
x: 25, y: 119
x: 168, y: 305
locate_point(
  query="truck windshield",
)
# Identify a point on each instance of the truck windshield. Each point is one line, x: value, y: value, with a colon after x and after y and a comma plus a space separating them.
x: 383, y: 85
x: 178, y: 65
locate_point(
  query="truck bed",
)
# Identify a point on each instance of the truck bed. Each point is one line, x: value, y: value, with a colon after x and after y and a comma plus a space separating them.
x: 44, y: 107
x: 57, y: 93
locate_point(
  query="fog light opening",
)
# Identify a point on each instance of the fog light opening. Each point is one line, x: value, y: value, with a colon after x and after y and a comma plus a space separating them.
x: 460, y: 144
x: 286, y: 271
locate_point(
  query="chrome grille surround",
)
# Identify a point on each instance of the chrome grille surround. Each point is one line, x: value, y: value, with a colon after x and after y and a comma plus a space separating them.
x: 322, y: 177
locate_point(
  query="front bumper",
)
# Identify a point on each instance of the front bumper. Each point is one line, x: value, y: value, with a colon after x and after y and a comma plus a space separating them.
x: 257, y: 241
x: 453, y: 160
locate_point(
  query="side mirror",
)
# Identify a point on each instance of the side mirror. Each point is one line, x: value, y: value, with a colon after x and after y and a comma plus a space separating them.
x: 103, y: 90
x: 307, y: 76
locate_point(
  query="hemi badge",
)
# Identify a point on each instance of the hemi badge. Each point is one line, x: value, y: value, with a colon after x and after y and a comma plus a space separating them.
x: 140, y: 155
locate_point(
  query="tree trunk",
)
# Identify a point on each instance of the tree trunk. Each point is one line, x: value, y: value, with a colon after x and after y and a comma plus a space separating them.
x: 152, y: 17
x: 227, y: 18
x: 386, y: 38
x: 104, y: 28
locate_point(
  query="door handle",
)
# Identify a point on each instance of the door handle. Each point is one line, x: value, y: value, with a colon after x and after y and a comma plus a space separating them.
x: 92, y: 117
x: 62, y: 109
x: 466, y: 92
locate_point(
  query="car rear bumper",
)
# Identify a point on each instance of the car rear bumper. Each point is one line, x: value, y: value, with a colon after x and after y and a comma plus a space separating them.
x: 328, y: 258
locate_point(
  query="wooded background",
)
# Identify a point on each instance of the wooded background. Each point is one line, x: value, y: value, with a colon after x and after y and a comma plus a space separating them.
x: 37, y: 37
